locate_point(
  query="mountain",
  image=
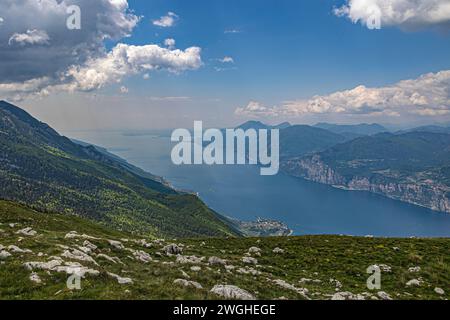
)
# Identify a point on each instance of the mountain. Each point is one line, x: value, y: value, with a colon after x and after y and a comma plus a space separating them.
x: 412, y: 167
x: 357, y: 129
x: 118, y: 265
x: 257, y: 125
x: 299, y: 140
x: 430, y: 128
x: 40, y: 168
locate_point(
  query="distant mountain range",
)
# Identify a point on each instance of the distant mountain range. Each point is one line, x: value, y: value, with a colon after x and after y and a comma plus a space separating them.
x: 412, y: 166
x: 38, y: 167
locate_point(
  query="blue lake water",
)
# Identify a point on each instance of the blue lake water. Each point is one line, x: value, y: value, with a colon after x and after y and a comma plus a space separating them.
x: 240, y: 192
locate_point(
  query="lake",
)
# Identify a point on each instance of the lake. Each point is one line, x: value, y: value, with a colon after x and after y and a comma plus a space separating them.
x: 240, y: 192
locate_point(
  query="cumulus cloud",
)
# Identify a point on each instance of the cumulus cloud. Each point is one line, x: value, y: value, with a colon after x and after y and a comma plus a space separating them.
x: 170, y: 43
x: 428, y: 95
x: 227, y: 60
x: 166, y: 21
x: 40, y: 55
x: 31, y: 37
x: 125, y: 60
x: 123, y: 90
x: 403, y: 13
x: 256, y: 109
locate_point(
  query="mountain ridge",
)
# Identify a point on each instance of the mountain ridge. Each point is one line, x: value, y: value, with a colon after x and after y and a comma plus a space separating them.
x: 50, y: 172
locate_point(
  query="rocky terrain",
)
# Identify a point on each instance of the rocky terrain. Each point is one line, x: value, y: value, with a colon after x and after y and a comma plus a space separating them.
x: 52, y: 256
x: 412, y: 167
x: 420, y: 189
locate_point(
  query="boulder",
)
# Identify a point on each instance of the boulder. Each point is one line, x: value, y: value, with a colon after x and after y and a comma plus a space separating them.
x: 27, y: 232
x: 249, y: 260
x: 187, y: 283
x: 231, y: 292
x: 173, y: 249
x: 116, y: 244
x: 120, y: 279
x: 213, y: 261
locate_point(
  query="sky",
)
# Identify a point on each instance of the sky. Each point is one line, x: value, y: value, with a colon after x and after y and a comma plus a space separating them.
x: 164, y: 63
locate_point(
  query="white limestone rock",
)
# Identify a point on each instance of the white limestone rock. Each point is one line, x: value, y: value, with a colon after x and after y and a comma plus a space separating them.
x: 231, y: 292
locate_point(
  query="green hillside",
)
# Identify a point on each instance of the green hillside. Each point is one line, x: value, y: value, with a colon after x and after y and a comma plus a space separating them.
x: 40, y: 168
x: 40, y: 251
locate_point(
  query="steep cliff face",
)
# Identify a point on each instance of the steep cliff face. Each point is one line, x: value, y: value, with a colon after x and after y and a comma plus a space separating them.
x: 422, y: 192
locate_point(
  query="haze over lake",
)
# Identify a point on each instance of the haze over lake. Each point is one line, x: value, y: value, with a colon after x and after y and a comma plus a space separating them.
x: 241, y: 192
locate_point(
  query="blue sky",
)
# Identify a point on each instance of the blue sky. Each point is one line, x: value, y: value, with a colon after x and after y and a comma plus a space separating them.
x: 285, y: 53
x: 285, y: 49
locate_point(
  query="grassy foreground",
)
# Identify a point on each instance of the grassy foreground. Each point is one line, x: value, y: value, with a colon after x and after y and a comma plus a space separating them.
x: 307, y: 267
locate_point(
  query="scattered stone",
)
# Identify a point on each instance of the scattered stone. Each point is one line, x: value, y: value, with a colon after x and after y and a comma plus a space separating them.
x: 439, y: 291
x: 189, y: 259
x: 196, y: 268
x: 254, y: 250
x: 50, y: 265
x: 347, y: 296
x: 185, y: 275
x: 78, y: 255
x: 216, y: 261
x: 4, y: 255
x: 249, y: 260
x: 283, y: 284
x: 383, y: 295
x: 114, y: 260
x: 230, y: 267
x: 144, y: 243
x: 74, y: 234
x: 337, y: 283
x: 396, y: 248
x: 414, y: 269
x: 16, y: 249
x: 231, y: 292
x: 159, y: 242
x: 121, y: 280
x: 278, y: 251
x: 27, y: 232
x: 35, y: 278
x: 90, y: 245
x: 247, y: 270
x: 187, y: 283
x: 142, y: 256
x: 414, y: 282
x: 116, y: 244
x: 172, y: 249
x: 77, y: 269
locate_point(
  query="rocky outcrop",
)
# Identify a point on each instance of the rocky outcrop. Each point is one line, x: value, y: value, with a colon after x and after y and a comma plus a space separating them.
x: 422, y: 192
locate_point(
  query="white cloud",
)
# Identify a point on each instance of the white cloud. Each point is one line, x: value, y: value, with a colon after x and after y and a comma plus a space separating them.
x: 1, y: 21
x: 146, y: 76
x: 123, y: 90
x: 125, y: 60
x: 76, y: 60
x: 166, y: 21
x: 227, y: 60
x: 232, y: 31
x: 428, y: 95
x: 256, y: 109
x: 170, y: 43
x: 31, y: 37
x: 403, y: 13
